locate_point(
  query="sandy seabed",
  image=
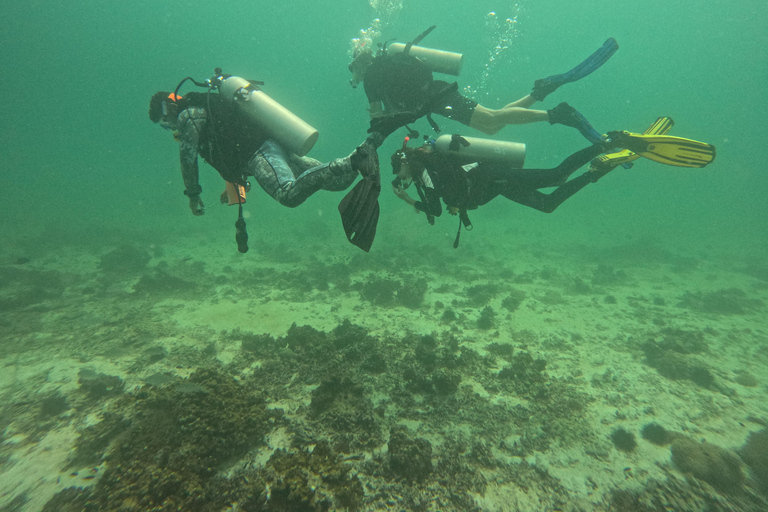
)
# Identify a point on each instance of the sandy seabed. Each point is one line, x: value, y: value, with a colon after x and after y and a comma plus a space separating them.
x: 169, y: 377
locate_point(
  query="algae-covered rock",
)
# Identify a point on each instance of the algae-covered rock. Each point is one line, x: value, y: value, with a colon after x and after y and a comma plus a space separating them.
x: 124, y: 259
x: 310, y: 480
x: 524, y: 370
x: 678, y: 366
x: 755, y: 455
x: 708, y: 462
x: 487, y: 318
x: 513, y: 301
x: 728, y: 301
x: 169, y: 453
x: 98, y: 385
x: 344, y: 407
x: 656, y: 434
x: 623, y: 440
x: 409, y: 459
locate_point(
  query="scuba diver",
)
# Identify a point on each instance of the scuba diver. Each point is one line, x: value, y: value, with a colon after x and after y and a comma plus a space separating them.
x: 398, y: 78
x: 465, y: 177
x: 241, y: 132
x: 400, y: 89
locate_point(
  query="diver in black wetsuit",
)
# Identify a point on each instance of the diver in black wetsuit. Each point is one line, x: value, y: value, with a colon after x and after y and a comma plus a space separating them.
x: 469, y: 186
x: 400, y: 82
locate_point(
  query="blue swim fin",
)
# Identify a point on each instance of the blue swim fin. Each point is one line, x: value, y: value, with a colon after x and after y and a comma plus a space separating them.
x: 567, y: 115
x: 545, y: 86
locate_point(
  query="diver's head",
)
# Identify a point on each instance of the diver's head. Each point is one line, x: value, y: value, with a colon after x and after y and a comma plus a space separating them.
x: 405, y: 165
x: 164, y: 109
x: 362, y: 50
x: 361, y: 61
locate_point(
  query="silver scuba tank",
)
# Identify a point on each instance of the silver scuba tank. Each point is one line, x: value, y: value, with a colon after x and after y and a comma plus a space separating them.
x: 293, y: 133
x: 482, y: 150
x: 438, y: 61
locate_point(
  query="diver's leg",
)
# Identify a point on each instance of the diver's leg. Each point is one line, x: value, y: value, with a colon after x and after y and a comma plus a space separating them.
x: 547, y: 203
x: 269, y: 166
x: 523, y: 189
x: 524, y: 102
x: 276, y: 173
x: 299, y: 164
x: 470, y: 113
x: 336, y: 175
x: 490, y: 121
x: 339, y: 176
x: 541, y: 178
x: 576, y: 161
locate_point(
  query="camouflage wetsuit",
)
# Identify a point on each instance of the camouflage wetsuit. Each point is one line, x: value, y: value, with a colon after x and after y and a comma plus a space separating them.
x: 289, y: 179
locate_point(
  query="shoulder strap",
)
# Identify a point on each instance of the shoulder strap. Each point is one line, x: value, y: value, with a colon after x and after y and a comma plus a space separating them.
x: 418, y: 39
x: 463, y: 219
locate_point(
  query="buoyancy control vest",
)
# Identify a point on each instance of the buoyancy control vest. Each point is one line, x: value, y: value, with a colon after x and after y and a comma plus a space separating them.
x: 401, y: 81
x: 230, y: 138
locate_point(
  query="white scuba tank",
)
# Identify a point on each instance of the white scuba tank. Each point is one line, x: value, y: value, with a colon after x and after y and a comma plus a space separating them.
x: 284, y: 126
x: 438, y: 61
x: 483, y: 150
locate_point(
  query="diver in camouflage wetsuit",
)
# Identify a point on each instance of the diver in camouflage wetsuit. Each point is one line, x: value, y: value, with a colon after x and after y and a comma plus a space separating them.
x: 238, y: 149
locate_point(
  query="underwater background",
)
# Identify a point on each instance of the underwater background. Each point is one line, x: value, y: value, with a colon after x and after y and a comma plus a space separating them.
x: 106, y: 279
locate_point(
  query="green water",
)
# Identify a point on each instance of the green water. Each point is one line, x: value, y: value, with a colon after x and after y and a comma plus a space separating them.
x: 641, y: 254
x: 79, y: 153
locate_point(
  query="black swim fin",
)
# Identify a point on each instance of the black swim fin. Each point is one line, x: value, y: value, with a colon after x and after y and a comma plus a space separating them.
x: 568, y: 116
x: 360, y: 207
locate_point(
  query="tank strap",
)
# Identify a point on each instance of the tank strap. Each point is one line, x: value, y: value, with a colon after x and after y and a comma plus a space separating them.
x: 433, y: 124
x: 423, y: 199
x: 457, y: 141
x: 463, y: 220
x: 435, y: 99
x: 418, y: 39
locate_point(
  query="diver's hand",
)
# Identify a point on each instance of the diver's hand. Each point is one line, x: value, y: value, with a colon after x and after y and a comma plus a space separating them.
x: 402, y: 194
x: 388, y: 123
x: 196, y: 205
x: 453, y: 210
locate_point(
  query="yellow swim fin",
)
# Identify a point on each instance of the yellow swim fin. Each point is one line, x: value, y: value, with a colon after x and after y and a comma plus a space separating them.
x: 606, y: 163
x: 666, y: 149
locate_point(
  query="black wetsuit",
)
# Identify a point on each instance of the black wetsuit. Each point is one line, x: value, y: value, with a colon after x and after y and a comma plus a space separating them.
x: 403, y: 83
x: 469, y: 186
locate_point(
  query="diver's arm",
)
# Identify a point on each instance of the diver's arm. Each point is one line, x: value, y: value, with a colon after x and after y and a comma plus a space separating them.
x: 402, y: 194
x: 190, y: 126
x: 429, y: 198
x: 431, y: 204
